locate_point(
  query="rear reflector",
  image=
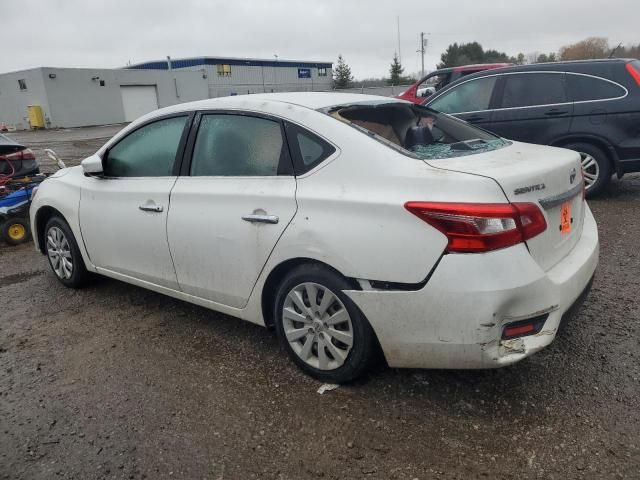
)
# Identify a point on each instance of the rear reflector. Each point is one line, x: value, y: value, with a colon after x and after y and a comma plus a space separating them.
x: 481, y: 227
x: 523, y: 328
x: 633, y: 72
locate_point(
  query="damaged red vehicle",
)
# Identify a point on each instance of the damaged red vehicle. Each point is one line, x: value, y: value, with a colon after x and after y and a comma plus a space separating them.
x: 434, y: 81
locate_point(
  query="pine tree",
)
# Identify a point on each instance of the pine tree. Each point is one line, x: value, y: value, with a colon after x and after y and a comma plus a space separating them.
x: 342, y: 77
x: 396, y: 71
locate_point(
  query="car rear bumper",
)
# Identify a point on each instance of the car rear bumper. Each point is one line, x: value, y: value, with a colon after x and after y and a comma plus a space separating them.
x: 456, y: 320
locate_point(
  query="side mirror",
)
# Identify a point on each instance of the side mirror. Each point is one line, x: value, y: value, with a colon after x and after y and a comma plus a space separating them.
x: 92, y: 165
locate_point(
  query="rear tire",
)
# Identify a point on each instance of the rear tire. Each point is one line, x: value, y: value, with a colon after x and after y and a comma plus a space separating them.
x: 15, y: 231
x: 320, y: 327
x: 596, y: 167
x: 63, y: 254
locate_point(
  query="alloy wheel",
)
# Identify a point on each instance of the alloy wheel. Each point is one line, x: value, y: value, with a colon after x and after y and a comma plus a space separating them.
x: 59, y: 252
x: 590, y: 170
x: 317, y: 326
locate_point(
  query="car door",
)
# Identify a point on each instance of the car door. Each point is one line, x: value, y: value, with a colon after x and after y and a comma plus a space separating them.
x: 123, y: 213
x: 470, y: 101
x: 532, y: 107
x: 232, y: 204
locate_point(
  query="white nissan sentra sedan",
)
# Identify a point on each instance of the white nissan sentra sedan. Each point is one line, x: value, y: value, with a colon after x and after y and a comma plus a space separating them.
x: 350, y: 223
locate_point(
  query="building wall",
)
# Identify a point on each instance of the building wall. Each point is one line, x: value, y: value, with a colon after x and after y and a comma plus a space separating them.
x: 75, y: 98
x: 14, y: 102
x: 246, y: 79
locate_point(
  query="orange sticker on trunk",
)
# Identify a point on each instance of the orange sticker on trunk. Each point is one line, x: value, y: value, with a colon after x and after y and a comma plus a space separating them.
x: 565, y: 218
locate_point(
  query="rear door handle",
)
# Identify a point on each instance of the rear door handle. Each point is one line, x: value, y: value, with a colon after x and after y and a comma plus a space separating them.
x: 555, y: 111
x: 151, y: 208
x: 255, y: 218
x: 476, y: 118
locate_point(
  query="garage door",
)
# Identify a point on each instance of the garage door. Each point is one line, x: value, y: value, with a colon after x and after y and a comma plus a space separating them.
x: 138, y: 100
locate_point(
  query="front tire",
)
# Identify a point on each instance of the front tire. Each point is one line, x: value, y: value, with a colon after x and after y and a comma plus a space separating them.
x: 596, y: 167
x: 63, y: 254
x: 323, y: 331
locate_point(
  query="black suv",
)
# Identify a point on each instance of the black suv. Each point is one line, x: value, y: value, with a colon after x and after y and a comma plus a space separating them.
x: 591, y: 106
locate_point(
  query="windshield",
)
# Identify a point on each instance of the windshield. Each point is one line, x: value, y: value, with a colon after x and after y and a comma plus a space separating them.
x: 417, y: 130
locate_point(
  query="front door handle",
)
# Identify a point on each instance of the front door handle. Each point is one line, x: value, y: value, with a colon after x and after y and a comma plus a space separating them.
x: 151, y: 208
x: 475, y: 118
x: 256, y: 218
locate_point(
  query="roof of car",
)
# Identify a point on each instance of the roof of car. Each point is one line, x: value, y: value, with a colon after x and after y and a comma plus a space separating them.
x: 566, y: 65
x: 8, y: 141
x: 485, y: 66
x: 311, y: 100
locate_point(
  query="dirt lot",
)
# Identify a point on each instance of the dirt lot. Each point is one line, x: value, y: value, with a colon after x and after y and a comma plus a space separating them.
x: 117, y: 382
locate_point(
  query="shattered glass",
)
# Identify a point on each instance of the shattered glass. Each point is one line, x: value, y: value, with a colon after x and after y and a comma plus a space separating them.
x: 443, y: 150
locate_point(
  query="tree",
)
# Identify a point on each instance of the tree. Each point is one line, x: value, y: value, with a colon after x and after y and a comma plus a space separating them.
x: 631, y: 51
x: 395, y: 71
x: 468, y: 53
x: 546, y: 58
x: 593, y: 47
x: 342, y: 77
x: 494, y: 56
x: 520, y: 59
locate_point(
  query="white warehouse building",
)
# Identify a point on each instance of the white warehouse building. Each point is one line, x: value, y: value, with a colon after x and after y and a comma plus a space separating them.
x: 77, y: 97
x: 238, y: 76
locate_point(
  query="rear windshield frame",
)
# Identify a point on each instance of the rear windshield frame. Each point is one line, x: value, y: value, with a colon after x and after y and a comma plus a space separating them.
x: 336, y: 109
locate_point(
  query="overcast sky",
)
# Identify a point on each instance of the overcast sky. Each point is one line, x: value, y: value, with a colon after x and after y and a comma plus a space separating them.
x: 109, y: 33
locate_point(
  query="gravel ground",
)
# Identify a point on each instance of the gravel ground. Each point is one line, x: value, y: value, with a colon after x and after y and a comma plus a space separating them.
x: 114, y: 381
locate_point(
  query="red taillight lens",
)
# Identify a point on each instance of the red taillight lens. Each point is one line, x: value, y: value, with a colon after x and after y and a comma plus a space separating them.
x: 481, y: 227
x: 518, y: 331
x: 633, y: 72
x: 26, y: 154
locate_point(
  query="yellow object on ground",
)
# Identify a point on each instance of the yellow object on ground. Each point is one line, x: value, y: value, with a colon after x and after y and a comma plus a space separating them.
x: 16, y: 232
x: 36, y: 117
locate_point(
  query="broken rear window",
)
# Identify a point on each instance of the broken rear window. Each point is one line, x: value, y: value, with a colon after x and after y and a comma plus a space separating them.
x: 416, y: 130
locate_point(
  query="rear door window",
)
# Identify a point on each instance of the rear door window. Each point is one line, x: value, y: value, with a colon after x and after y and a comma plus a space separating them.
x: 533, y: 89
x: 239, y: 146
x: 472, y: 96
x: 584, y: 88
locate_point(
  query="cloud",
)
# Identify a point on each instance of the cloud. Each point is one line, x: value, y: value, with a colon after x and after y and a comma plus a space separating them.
x: 75, y: 33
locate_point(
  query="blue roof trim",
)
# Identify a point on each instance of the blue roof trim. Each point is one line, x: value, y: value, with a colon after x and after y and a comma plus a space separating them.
x: 195, y: 62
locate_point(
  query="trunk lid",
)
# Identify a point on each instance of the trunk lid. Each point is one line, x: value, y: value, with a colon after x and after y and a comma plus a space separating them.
x: 547, y: 176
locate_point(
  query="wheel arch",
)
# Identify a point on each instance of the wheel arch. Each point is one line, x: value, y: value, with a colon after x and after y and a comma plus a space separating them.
x: 275, y: 277
x: 594, y: 140
x: 43, y: 215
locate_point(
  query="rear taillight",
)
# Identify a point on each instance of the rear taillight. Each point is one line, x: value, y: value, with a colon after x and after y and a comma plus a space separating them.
x: 633, y: 71
x: 26, y: 154
x: 481, y: 227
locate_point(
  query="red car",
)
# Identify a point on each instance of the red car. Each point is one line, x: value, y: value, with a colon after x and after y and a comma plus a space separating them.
x: 437, y: 79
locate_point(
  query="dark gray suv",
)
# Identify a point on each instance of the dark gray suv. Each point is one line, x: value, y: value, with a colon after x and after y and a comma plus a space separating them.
x: 592, y: 107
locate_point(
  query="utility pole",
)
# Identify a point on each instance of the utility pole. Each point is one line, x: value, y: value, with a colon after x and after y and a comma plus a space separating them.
x: 399, y: 52
x: 423, y: 46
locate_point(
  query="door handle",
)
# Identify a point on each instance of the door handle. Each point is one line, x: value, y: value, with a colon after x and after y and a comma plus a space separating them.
x: 151, y: 208
x: 476, y: 118
x: 555, y: 111
x: 255, y: 218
